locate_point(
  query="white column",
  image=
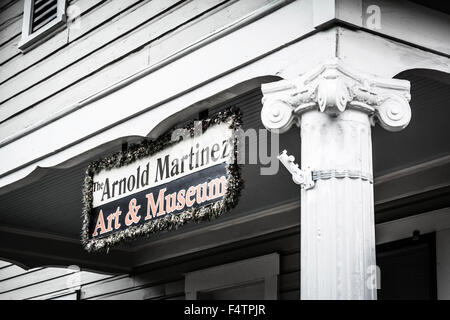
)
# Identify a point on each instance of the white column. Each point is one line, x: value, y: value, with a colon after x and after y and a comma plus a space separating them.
x: 335, y: 108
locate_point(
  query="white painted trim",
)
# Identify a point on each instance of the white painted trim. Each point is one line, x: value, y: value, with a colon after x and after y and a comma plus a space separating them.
x: 31, y: 39
x: 26, y: 20
x: 404, y: 21
x: 412, y: 193
x: 358, y: 47
x: 263, y: 268
x: 412, y: 169
x: 432, y: 221
x: 324, y: 11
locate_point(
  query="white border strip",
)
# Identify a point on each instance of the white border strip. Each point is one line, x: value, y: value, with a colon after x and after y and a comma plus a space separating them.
x: 403, y: 228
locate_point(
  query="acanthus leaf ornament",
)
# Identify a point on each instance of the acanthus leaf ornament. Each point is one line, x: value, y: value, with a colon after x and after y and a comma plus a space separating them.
x: 332, y: 95
x: 333, y: 88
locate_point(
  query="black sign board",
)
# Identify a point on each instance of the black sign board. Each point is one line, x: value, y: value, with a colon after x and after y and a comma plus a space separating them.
x: 163, y: 184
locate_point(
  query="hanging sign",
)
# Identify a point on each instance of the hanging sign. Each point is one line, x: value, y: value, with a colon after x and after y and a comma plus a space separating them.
x: 161, y: 185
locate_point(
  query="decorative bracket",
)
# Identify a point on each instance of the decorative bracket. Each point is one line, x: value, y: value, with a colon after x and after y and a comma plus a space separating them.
x: 307, y: 178
x: 304, y: 178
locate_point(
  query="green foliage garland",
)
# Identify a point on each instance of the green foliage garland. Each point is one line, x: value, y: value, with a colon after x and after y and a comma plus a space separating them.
x: 171, y: 221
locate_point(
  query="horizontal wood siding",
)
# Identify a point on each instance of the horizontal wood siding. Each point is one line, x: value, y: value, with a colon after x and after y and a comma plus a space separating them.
x: 164, y: 280
x: 108, y: 42
x: 42, y: 283
x: 11, y: 21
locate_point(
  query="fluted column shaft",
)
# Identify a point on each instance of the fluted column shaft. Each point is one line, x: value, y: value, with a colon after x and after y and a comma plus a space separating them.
x: 337, y: 218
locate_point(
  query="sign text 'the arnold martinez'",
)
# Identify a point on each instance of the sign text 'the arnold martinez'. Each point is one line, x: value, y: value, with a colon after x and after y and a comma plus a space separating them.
x: 164, y: 183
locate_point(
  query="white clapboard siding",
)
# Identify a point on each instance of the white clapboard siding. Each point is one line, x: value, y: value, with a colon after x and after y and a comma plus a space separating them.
x: 56, y: 280
x: 79, y: 23
x: 153, y: 292
x: 9, y: 15
x: 10, y: 271
x: 20, y: 61
x: 86, y: 45
x: 58, y: 295
x: 83, y: 68
x: 11, y: 21
x: 63, y: 283
x: 12, y: 12
x: 87, y: 22
x: 198, y: 29
x: 159, y: 50
x: 6, y: 3
x: 98, y: 81
x: 17, y: 61
x: 69, y: 296
x: 181, y: 297
x: 82, y: 5
x: 10, y: 31
x: 103, y: 13
x: 108, y: 286
x: 149, y: 285
x: 37, y: 275
x: 9, y: 50
x: 102, y: 281
x: 96, y: 60
x: 93, y: 13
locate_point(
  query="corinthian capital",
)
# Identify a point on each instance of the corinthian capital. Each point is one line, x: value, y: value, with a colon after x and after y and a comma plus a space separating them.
x: 333, y: 88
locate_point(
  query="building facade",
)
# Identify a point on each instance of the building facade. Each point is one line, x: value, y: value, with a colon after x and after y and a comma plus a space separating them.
x: 357, y: 91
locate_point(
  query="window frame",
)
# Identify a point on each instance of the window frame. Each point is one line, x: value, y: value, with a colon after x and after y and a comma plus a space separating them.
x: 264, y: 268
x: 31, y: 39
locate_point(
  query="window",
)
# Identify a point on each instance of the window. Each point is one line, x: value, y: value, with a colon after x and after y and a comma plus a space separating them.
x: 41, y: 19
x: 251, y: 279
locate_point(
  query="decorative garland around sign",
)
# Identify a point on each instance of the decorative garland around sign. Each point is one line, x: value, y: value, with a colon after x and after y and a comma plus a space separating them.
x: 232, y: 116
